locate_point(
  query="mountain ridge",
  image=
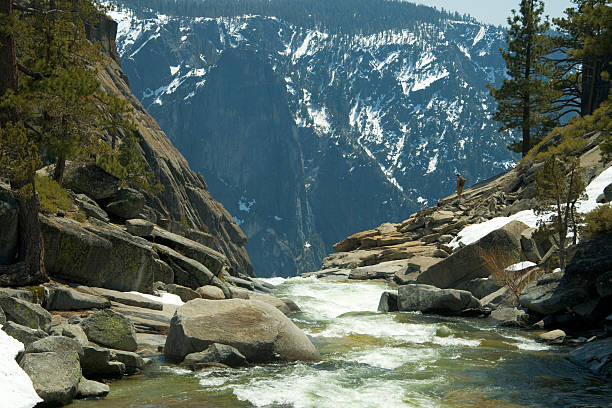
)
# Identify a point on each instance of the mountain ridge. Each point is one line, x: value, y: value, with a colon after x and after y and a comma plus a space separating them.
x: 383, y: 120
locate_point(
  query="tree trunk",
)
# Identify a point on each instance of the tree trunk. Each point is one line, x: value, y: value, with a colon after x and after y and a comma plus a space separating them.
x: 30, y: 268
x: 58, y: 172
x: 526, y: 125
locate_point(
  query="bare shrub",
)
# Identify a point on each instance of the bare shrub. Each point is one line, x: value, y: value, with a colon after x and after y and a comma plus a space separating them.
x: 497, y: 262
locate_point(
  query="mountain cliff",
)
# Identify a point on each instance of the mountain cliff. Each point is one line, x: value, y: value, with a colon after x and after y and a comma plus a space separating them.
x: 308, y: 130
x: 185, y: 196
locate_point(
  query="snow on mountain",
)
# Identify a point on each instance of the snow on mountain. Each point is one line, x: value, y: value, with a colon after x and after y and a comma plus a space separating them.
x: 410, y: 103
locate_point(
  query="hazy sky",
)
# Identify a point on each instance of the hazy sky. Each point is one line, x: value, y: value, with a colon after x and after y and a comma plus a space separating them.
x: 493, y: 11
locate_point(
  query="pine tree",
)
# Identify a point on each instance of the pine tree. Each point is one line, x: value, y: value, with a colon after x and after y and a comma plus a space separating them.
x: 19, y: 160
x: 525, y: 98
x: 586, y: 44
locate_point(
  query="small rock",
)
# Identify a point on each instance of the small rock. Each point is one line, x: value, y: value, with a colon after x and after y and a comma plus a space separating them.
x: 110, y: 329
x: 2, y: 316
x: 553, y: 337
x: 91, y: 389
x: 509, y: 317
x: 133, y: 362
x: 74, y: 319
x: 186, y: 294
x: 71, y: 330
x: 388, y: 302
x: 62, y: 298
x: 90, y: 208
x: 140, y: 228
x: 25, y: 313
x: 210, y: 292
x: 216, y: 353
x: 97, y: 363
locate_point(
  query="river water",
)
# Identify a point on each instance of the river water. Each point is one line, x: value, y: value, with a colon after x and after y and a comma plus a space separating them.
x: 377, y: 360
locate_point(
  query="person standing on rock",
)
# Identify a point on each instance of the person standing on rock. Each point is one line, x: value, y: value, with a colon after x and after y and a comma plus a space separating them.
x: 460, y: 184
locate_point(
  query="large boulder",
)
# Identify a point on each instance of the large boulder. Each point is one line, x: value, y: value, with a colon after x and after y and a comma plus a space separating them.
x: 126, y: 203
x: 25, y: 313
x: 9, y: 222
x: 215, y: 353
x: 90, y: 179
x: 502, y: 297
x: 529, y: 246
x: 111, y: 329
x: 97, y: 254
x: 63, y: 298
x: 24, y: 334
x: 467, y: 263
x: 552, y: 294
x: 429, y: 299
x: 54, y: 368
x: 258, y: 330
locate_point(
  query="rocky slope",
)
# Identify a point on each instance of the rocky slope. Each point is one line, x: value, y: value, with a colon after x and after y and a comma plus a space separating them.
x: 307, y: 131
x: 185, y: 195
x: 446, y: 260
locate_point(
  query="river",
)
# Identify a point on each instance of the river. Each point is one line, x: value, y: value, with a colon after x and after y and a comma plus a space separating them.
x: 376, y: 360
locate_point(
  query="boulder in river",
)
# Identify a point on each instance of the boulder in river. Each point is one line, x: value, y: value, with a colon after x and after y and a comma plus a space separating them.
x: 596, y: 356
x: 91, y: 389
x: 259, y: 331
x: 429, y: 299
x: 388, y: 302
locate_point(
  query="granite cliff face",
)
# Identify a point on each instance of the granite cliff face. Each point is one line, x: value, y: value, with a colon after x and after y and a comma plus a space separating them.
x: 370, y: 123
x: 185, y: 195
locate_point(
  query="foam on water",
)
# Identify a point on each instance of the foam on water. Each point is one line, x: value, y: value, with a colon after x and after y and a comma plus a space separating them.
x: 372, y: 359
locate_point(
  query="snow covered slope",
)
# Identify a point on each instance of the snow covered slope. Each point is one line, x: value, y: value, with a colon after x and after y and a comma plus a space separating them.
x: 377, y: 122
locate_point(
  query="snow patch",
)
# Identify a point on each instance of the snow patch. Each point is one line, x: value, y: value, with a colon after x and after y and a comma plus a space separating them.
x: 16, y: 388
x: 165, y: 298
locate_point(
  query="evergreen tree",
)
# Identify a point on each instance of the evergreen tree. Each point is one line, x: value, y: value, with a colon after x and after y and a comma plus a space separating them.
x: 19, y: 160
x: 586, y: 44
x: 525, y: 98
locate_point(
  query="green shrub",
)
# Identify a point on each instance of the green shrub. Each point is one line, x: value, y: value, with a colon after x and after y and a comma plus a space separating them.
x: 51, y: 195
x: 598, y: 221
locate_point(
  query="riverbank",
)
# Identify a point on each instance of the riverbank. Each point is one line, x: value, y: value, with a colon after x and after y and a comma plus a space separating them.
x: 371, y: 359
